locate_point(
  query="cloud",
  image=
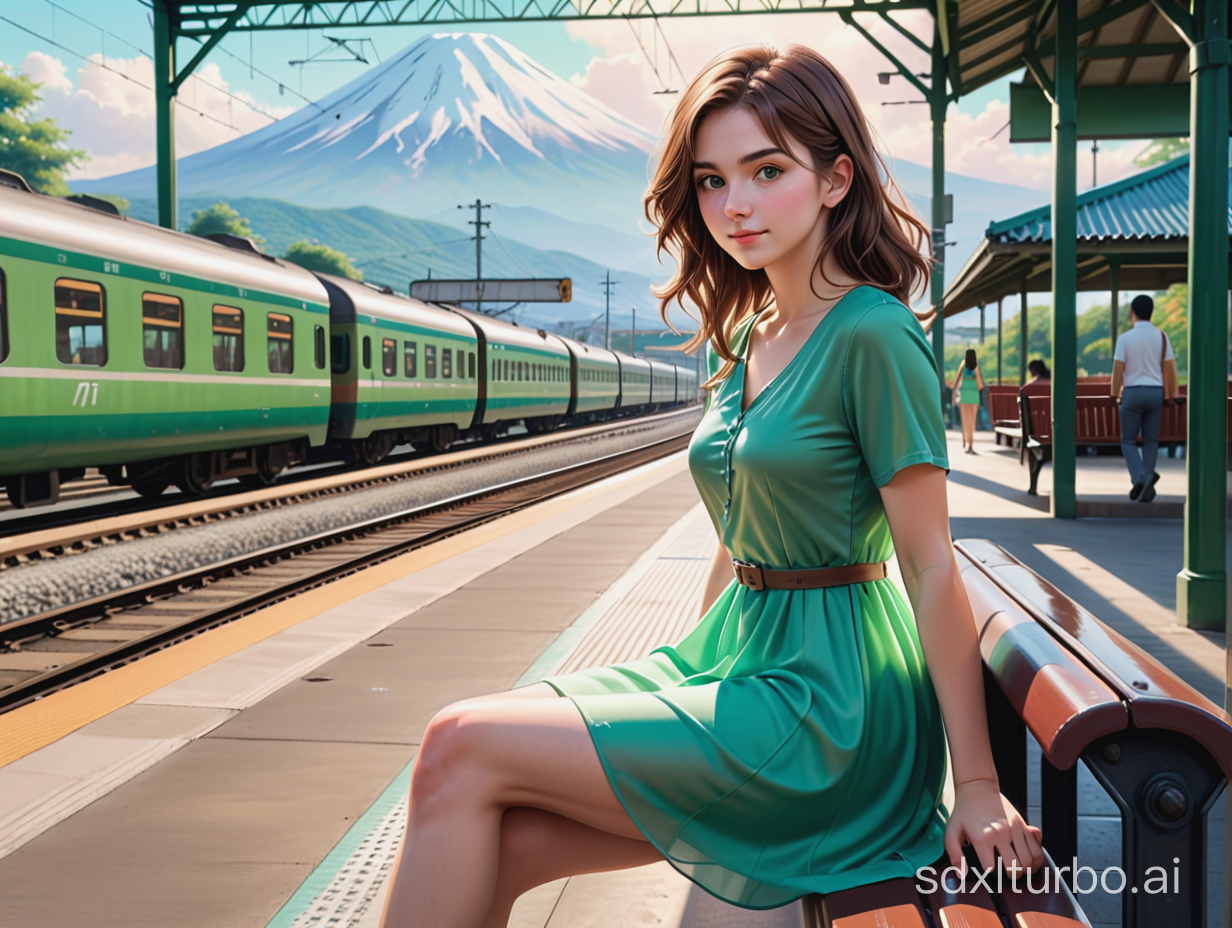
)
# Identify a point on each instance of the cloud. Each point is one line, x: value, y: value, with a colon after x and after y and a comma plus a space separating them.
x: 622, y: 78
x: 110, y: 110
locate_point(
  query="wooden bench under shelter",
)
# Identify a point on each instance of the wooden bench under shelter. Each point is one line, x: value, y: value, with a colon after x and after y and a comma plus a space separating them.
x: 1160, y: 749
x: 1098, y: 423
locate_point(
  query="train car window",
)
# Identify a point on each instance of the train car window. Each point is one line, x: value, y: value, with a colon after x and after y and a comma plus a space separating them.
x: 162, y: 331
x: 81, y: 336
x: 495, y: 365
x: 446, y: 362
x: 430, y: 361
x: 228, y: 338
x: 280, y: 345
x: 4, y: 321
x: 318, y: 346
x: 506, y: 366
x: 367, y: 353
x: 410, y: 358
x: 389, y: 357
x: 470, y: 365
x: 340, y: 353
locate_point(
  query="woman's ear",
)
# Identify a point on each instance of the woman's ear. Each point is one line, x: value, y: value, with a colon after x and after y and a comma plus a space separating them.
x: 839, y: 178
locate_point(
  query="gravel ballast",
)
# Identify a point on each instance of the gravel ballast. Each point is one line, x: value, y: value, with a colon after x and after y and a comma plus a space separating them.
x: 41, y: 586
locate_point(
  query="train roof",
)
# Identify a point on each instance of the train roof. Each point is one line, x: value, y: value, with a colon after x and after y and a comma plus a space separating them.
x: 630, y: 360
x: 64, y: 226
x: 509, y: 333
x: 657, y: 362
x: 591, y: 353
x: 353, y: 300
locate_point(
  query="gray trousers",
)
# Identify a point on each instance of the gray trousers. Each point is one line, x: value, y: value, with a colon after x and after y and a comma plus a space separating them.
x: 1141, y: 410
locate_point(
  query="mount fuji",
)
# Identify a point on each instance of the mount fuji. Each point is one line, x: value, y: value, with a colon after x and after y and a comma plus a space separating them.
x: 449, y: 118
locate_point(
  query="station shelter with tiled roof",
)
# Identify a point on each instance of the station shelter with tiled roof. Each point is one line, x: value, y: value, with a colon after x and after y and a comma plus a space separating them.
x: 1133, y: 235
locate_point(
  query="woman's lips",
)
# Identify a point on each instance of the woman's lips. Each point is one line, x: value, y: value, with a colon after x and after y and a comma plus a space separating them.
x: 745, y: 237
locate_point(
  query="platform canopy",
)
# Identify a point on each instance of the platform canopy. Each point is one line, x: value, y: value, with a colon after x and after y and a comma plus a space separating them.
x: 1132, y: 235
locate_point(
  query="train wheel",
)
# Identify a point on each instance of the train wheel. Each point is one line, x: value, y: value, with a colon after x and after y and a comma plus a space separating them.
x: 264, y: 477
x: 373, y: 449
x: 194, y: 477
x: 150, y: 488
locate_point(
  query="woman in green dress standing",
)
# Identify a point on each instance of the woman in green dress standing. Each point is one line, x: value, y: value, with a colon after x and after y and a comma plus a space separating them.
x: 968, y: 385
x: 795, y: 740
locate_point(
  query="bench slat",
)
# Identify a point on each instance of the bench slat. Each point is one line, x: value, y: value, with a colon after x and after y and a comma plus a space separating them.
x: 885, y: 904
x: 1064, y: 704
x: 1053, y: 909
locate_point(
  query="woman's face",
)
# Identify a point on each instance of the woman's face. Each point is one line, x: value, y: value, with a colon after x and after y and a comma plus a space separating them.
x: 760, y: 204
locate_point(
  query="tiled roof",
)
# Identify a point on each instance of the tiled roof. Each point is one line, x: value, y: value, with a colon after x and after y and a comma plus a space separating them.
x: 1150, y: 205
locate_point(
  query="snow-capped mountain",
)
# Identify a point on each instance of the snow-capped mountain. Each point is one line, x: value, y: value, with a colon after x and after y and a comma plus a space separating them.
x: 449, y: 118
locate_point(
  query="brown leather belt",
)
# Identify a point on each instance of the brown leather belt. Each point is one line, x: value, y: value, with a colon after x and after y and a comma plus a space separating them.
x: 765, y: 578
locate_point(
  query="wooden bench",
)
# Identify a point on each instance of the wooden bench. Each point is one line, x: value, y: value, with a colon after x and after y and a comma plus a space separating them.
x: 1004, y: 405
x: 1161, y: 750
x: 1098, y: 422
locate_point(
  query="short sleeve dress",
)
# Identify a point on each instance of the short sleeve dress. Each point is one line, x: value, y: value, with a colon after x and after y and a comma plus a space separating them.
x: 792, y: 742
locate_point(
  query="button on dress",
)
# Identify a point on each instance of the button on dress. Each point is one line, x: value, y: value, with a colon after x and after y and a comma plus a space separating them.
x: 792, y: 742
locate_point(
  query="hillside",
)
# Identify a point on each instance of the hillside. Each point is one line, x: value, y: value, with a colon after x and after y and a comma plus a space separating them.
x: 394, y: 250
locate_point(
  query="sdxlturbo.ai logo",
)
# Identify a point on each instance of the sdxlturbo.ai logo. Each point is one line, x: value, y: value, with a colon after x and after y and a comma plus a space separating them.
x: 1013, y: 878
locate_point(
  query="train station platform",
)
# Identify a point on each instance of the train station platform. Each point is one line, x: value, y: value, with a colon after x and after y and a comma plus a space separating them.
x: 267, y: 788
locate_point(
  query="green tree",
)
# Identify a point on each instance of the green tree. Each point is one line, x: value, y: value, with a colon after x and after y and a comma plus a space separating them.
x: 222, y: 217
x: 33, y: 148
x: 317, y: 257
x: 1161, y: 150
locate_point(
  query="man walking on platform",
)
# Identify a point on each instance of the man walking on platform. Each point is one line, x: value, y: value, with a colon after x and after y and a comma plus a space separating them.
x: 1143, y: 380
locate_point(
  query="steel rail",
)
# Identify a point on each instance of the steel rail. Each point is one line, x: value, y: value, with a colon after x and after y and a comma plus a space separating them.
x: 461, y: 512
x: 91, y: 529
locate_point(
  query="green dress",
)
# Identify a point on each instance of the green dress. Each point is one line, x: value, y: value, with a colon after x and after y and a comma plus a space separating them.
x: 968, y: 388
x: 792, y: 742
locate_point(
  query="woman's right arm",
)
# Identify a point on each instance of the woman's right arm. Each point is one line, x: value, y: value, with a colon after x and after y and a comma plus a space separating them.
x: 717, y: 577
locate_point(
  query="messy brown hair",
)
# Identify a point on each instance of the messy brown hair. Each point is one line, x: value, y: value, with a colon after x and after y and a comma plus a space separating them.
x: 793, y: 93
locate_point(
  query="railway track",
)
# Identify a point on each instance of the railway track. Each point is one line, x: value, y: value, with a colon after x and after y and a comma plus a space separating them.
x: 44, y: 653
x: 64, y: 533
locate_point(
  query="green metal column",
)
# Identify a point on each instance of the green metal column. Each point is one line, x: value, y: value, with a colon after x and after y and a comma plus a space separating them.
x: 1022, y: 334
x: 164, y: 113
x: 1114, y: 293
x: 937, y: 104
x: 1000, y: 338
x: 1201, y: 586
x: 1064, y: 262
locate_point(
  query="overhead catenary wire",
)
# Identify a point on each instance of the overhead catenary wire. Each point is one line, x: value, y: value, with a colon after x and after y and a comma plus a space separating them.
x: 106, y: 67
x: 137, y: 48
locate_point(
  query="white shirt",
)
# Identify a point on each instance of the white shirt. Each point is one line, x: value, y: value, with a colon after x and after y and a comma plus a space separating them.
x: 1139, y: 350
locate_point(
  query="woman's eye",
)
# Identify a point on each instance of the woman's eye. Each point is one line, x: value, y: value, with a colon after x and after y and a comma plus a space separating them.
x: 769, y: 172
x: 712, y: 182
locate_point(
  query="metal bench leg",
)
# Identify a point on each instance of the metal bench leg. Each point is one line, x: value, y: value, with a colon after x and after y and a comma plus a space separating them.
x: 1035, y: 464
x: 1008, y: 736
x: 1164, y: 784
x: 1059, y: 813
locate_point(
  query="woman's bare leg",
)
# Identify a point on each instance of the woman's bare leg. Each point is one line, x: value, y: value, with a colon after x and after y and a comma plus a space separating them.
x: 537, y: 847
x: 479, y: 758
x: 968, y: 411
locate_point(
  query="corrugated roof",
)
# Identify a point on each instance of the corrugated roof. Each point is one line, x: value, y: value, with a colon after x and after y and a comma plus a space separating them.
x: 1150, y: 205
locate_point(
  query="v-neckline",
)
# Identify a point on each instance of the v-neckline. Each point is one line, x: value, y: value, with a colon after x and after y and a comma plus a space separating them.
x: 773, y: 381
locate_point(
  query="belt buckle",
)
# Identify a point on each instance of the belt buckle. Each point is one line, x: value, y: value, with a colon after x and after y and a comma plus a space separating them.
x: 748, y: 574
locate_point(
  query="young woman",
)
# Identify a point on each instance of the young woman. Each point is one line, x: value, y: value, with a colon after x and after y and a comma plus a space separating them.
x: 793, y: 742
x: 968, y: 385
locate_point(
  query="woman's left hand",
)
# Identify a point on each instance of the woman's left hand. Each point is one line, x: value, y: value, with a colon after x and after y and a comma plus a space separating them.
x: 986, y: 820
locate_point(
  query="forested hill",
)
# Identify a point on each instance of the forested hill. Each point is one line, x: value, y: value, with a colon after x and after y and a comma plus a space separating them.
x: 392, y: 249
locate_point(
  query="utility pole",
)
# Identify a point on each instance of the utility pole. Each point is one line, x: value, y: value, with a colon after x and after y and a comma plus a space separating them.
x: 633, y: 335
x: 478, y: 206
x: 607, y: 284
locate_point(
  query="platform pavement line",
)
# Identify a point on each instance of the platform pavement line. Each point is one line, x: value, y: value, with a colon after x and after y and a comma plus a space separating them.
x: 343, y: 886
x: 37, y: 724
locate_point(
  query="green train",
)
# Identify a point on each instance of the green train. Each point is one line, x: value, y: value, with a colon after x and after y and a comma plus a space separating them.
x: 165, y: 359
